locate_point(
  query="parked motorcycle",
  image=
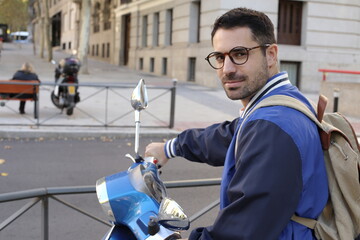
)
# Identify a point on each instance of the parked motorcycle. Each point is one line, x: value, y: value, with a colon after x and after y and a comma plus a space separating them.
x: 65, y: 94
x: 135, y: 201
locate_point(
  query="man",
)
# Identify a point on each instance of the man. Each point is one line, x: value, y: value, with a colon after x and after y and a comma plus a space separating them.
x: 273, y: 165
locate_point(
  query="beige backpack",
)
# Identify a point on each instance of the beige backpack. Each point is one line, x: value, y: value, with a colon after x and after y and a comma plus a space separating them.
x: 340, y: 219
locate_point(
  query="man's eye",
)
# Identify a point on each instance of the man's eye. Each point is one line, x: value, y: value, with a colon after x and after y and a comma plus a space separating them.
x: 219, y: 57
x: 238, y: 53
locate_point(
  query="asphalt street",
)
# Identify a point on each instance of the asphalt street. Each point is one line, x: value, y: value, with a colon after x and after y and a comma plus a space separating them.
x: 59, y: 162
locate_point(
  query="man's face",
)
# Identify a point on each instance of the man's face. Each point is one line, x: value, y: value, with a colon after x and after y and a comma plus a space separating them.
x: 241, y: 82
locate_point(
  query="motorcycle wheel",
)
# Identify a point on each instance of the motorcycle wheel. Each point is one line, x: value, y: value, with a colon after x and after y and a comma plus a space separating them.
x: 55, y: 100
x: 69, y: 111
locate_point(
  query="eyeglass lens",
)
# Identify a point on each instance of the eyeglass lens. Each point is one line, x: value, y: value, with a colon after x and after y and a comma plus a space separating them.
x: 238, y: 55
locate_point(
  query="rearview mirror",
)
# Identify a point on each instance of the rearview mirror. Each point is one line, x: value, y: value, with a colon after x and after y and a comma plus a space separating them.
x: 172, y: 216
x: 139, y: 98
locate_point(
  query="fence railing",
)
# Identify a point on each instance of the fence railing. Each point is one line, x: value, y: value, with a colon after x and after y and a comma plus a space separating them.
x: 43, y: 195
x: 101, y: 105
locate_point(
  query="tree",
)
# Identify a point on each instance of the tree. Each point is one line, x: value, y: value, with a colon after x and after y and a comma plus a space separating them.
x: 84, y: 35
x: 40, y: 20
x: 15, y: 14
x: 46, y: 28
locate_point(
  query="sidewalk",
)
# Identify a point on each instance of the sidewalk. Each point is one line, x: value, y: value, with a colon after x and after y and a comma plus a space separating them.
x: 196, y: 106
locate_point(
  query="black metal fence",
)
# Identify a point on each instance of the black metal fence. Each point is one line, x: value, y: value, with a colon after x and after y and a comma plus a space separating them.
x: 101, y: 105
x: 43, y: 195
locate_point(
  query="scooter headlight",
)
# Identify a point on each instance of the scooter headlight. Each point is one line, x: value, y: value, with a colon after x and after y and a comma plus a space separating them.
x: 102, y: 194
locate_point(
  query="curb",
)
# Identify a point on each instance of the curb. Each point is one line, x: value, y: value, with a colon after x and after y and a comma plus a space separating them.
x: 84, y: 133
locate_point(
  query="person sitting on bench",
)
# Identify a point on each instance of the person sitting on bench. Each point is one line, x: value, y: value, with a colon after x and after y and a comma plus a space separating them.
x: 26, y: 73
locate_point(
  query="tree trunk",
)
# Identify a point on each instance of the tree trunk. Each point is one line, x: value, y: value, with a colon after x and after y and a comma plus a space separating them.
x: 41, y: 26
x: 84, y: 35
x: 47, y: 30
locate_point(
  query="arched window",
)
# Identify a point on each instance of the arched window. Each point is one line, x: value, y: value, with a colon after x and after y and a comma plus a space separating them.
x: 96, y: 18
x: 107, y: 15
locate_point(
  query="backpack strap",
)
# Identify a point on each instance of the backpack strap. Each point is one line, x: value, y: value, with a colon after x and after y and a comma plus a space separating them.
x: 287, y: 101
x: 307, y: 222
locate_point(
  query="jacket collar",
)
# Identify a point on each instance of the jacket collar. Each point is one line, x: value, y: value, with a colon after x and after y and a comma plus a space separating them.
x: 273, y: 83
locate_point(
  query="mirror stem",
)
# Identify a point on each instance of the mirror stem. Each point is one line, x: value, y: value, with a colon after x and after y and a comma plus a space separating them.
x: 137, y: 133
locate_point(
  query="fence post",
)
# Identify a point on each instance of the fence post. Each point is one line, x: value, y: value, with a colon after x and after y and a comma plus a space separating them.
x: 336, y: 99
x: 106, y: 106
x: 45, y: 218
x: 172, y: 104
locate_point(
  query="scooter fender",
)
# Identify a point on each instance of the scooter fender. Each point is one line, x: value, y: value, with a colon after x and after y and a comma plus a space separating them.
x: 56, y: 90
x: 129, y: 206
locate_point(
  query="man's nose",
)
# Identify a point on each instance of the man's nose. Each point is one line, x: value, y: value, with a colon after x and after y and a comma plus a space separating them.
x: 229, y: 66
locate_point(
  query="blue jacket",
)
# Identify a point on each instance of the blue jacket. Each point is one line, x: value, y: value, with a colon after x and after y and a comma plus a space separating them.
x: 273, y: 168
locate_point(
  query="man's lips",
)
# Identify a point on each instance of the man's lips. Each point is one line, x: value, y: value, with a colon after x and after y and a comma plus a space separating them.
x: 233, y: 83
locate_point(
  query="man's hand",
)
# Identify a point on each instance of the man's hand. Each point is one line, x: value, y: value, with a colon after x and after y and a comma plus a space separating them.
x: 156, y: 150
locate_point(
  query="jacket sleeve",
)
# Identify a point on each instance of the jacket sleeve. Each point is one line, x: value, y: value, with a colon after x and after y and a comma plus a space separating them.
x: 208, y: 145
x: 265, y: 188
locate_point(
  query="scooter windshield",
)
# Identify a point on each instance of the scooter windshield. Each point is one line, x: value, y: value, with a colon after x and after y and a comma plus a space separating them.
x: 145, y: 178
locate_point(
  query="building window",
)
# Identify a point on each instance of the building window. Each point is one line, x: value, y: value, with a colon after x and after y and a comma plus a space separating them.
x: 108, y: 50
x: 289, y: 22
x: 164, y: 66
x: 64, y: 46
x: 69, y: 44
x: 194, y: 28
x: 56, y: 29
x: 293, y: 70
x: 97, y: 50
x: 103, y: 50
x: 168, y: 27
x: 107, y: 15
x: 125, y: 1
x: 141, y: 63
x: 152, y: 64
x: 192, y: 68
x: 144, y: 30
x: 96, y: 18
x: 156, y: 23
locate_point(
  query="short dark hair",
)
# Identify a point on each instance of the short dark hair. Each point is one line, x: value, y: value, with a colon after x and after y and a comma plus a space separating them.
x: 259, y: 23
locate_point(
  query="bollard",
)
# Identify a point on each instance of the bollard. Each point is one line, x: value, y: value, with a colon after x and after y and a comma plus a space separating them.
x: 172, y: 106
x: 336, y: 99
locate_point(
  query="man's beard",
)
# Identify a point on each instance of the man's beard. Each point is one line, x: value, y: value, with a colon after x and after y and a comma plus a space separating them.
x: 251, y: 87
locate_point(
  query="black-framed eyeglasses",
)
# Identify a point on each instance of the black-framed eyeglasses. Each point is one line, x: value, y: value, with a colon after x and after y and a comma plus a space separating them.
x: 237, y: 55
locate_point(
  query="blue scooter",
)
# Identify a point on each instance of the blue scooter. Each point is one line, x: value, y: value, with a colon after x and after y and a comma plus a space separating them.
x: 135, y: 200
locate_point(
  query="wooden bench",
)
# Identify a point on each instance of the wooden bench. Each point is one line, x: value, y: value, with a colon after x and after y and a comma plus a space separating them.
x: 14, y: 90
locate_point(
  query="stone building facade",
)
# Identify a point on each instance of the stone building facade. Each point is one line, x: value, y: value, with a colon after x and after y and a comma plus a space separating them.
x: 172, y: 38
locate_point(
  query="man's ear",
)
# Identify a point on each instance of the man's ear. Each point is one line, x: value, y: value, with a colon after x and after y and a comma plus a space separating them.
x: 272, y: 55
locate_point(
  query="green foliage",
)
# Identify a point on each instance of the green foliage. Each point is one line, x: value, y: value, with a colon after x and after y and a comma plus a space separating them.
x: 15, y: 14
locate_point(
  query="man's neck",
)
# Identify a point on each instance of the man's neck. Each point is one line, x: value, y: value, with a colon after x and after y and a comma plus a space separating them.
x: 246, y: 101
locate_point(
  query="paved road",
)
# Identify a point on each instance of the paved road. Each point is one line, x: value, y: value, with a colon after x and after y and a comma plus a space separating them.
x: 37, y: 162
